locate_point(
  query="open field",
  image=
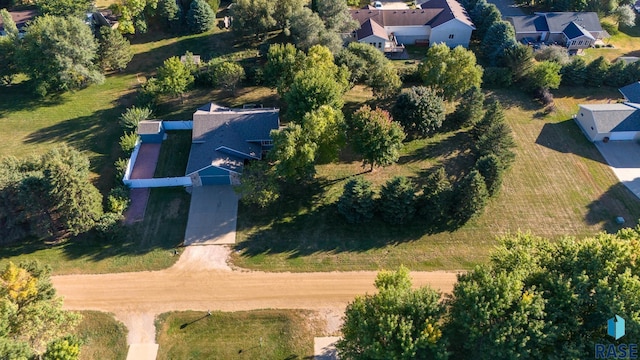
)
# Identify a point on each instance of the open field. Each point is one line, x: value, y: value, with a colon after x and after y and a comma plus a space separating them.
x: 260, y: 334
x: 559, y: 185
x: 103, y: 337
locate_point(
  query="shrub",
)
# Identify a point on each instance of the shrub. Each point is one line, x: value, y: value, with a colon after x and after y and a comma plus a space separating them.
x: 356, y: 203
x: 133, y: 115
x: 118, y: 200
x: 121, y: 168
x: 108, y: 226
x: 128, y: 142
x: 397, y: 202
x: 555, y: 53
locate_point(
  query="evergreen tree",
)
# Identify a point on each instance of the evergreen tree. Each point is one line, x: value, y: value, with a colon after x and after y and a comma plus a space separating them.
x: 397, y: 202
x: 575, y: 72
x: 616, y: 75
x: 170, y: 11
x: 469, y: 111
x: 491, y: 170
x: 114, y: 51
x: 471, y: 196
x: 597, y: 72
x: 200, y: 17
x: 492, y: 135
x: 435, y: 202
x: 419, y: 110
x: 356, y: 203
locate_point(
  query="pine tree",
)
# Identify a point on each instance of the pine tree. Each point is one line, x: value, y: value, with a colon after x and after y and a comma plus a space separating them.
x: 356, y: 203
x: 491, y: 170
x: 397, y: 202
x: 471, y: 196
x: 200, y: 17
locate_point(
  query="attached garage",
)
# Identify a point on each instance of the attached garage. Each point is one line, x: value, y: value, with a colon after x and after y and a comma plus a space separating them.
x: 609, y: 122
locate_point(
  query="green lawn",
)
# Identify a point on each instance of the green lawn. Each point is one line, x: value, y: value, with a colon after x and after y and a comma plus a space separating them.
x: 260, y: 334
x: 559, y: 185
x: 625, y: 43
x: 103, y: 337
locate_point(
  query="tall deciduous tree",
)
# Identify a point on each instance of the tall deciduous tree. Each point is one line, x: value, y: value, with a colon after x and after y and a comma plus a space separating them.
x: 227, y: 74
x: 450, y: 72
x: 420, y: 110
x: 544, y: 76
x: 396, y: 323
x: 114, y: 52
x: 31, y: 314
x: 58, y: 54
x: 284, y: 11
x: 174, y: 77
x: 253, y: 16
x: 370, y: 67
x: 170, y: 11
x: 336, y: 16
x: 200, y: 17
x: 307, y: 29
x: 375, y: 136
x: 293, y: 155
x: 311, y: 89
x: 258, y: 185
x: 625, y: 16
x: 65, y: 8
x: 283, y: 62
x: 356, y: 203
x: 326, y: 128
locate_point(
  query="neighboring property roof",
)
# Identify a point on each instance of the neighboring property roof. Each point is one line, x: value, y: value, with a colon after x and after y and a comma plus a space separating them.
x: 417, y: 17
x: 529, y: 24
x: 224, y: 136
x: 558, y: 21
x: 574, y: 31
x: 370, y: 27
x: 628, y: 59
x: 614, y: 117
x: 20, y: 17
x: 149, y: 127
x: 631, y: 92
x: 451, y: 10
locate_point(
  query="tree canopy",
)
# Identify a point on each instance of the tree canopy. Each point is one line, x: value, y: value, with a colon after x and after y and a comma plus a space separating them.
x: 200, y: 17
x: 420, y: 110
x: 174, y: 77
x: 114, y: 51
x: 450, y: 72
x: 64, y: 8
x: 375, y: 136
x: 396, y: 323
x: 58, y: 54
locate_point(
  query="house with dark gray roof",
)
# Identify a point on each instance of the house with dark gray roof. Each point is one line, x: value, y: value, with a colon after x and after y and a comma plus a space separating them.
x: 604, y: 122
x: 223, y: 139
x: 433, y: 22
x: 21, y: 18
x: 631, y: 92
x: 574, y: 30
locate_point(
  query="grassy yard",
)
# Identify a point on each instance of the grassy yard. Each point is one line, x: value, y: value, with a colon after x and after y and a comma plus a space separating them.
x: 625, y: 43
x: 559, y: 185
x: 260, y: 334
x: 103, y: 337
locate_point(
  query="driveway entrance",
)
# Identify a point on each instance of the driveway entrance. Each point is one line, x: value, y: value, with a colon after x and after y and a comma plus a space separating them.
x: 212, y: 216
x: 624, y: 159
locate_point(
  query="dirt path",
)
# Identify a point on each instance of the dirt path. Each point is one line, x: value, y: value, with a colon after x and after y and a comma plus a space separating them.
x: 201, y: 280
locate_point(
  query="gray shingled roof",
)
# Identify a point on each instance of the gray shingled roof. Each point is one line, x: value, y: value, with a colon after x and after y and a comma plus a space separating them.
x: 614, y: 117
x: 574, y: 31
x: 396, y: 17
x: 631, y: 92
x: 451, y: 10
x: 558, y: 21
x: 20, y: 17
x: 370, y: 27
x: 529, y: 23
x: 220, y: 133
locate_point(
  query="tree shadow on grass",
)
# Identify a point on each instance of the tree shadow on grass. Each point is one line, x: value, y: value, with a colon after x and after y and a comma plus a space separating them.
x: 566, y: 137
x: 20, y: 97
x: 616, y: 201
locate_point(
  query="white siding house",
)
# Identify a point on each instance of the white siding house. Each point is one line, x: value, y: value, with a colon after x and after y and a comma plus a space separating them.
x: 610, y: 121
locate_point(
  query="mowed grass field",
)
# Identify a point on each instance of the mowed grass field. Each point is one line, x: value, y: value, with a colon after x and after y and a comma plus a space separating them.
x: 259, y: 334
x: 558, y: 186
x: 102, y: 336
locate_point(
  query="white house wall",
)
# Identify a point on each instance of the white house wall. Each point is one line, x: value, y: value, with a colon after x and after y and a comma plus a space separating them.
x: 588, y: 125
x: 409, y: 34
x: 376, y: 40
x: 461, y: 34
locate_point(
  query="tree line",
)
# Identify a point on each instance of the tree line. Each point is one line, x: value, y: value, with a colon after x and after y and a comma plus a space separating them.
x: 535, y: 299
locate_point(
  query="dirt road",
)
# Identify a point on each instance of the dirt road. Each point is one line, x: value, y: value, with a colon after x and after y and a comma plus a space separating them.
x: 201, y: 281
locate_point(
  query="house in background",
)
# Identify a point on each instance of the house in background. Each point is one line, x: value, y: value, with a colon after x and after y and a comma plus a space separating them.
x: 435, y: 21
x: 574, y: 30
x: 21, y: 18
x: 631, y: 92
x: 224, y: 139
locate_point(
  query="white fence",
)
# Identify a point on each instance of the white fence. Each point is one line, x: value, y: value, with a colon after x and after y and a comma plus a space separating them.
x: 156, y: 182
x: 178, y: 125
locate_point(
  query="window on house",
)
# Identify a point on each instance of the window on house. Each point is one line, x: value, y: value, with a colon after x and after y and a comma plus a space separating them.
x: 379, y: 45
x: 580, y: 42
x: 581, y: 114
x: 451, y: 36
x: 573, y: 42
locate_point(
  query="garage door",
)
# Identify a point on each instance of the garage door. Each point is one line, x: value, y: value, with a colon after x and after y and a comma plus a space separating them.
x: 215, y: 180
x: 622, y: 135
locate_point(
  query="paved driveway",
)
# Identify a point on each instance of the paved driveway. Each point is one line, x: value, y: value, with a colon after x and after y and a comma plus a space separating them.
x: 624, y: 159
x: 507, y: 7
x: 212, y: 216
